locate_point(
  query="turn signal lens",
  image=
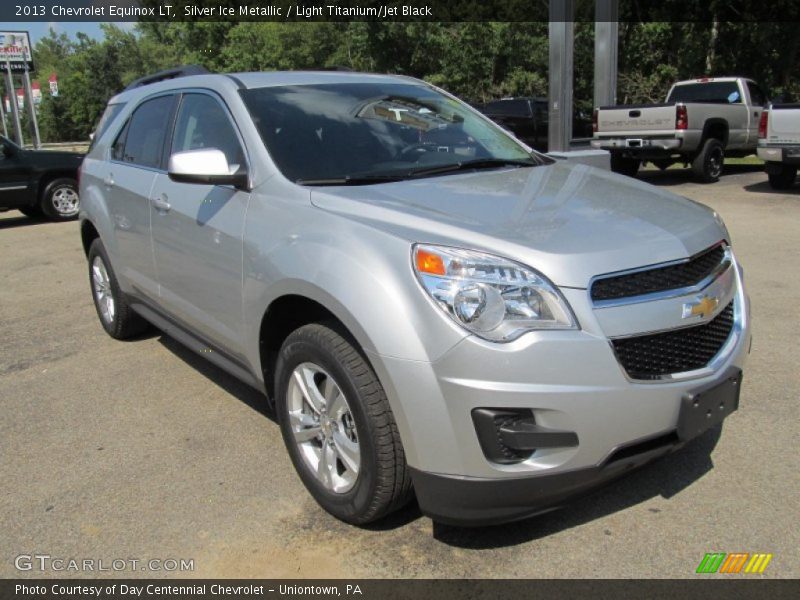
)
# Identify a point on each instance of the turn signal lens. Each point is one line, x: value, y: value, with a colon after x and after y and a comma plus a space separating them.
x: 429, y: 263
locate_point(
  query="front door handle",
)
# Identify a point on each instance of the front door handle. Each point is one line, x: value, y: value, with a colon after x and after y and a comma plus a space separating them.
x: 161, y: 204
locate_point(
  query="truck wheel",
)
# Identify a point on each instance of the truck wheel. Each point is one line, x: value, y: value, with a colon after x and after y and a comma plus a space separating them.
x: 783, y: 179
x: 708, y: 163
x: 60, y: 200
x: 116, y: 316
x: 338, y: 427
x: 624, y: 165
x: 662, y: 165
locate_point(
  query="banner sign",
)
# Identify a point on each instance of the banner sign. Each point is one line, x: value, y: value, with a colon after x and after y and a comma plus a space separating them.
x: 53, y: 85
x: 15, y: 50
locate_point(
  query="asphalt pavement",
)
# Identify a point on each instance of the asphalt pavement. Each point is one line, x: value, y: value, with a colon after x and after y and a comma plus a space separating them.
x: 141, y: 450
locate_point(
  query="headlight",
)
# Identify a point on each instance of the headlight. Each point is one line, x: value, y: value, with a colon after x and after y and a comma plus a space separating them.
x: 492, y: 297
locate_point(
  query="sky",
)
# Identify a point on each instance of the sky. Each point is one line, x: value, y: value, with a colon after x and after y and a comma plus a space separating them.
x: 39, y: 30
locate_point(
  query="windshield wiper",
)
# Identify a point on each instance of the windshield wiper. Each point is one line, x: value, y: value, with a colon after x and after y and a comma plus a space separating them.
x: 482, y: 163
x: 367, y: 179
x: 353, y: 180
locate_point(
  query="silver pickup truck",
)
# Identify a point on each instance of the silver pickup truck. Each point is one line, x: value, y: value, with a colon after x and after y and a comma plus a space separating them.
x: 779, y: 144
x: 701, y: 122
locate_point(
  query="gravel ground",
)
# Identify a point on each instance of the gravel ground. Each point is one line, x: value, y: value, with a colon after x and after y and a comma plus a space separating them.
x: 140, y: 449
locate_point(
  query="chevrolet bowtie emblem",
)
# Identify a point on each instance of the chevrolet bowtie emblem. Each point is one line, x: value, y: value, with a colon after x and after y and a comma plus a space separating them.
x: 702, y: 307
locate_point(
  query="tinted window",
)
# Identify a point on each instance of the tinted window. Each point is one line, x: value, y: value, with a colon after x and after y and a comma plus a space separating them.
x: 354, y: 130
x: 717, y: 92
x: 203, y: 123
x: 509, y: 108
x: 146, y: 129
x: 111, y: 111
x: 757, y: 97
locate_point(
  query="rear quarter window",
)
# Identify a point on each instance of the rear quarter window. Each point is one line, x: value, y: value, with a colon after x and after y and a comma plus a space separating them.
x: 108, y: 116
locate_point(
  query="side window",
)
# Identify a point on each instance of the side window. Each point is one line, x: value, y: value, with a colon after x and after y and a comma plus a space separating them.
x: 118, y: 147
x: 111, y: 111
x: 757, y: 97
x: 203, y: 123
x: 142, y: 139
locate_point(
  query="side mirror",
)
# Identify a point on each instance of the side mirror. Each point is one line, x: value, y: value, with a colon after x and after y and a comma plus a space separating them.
x: 206, y: 166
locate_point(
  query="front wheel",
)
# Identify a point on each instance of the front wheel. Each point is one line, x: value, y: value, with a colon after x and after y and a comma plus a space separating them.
x: 60, y: 201
x: 783, y: 179
x: 338, y: 427
x: 708, y: 163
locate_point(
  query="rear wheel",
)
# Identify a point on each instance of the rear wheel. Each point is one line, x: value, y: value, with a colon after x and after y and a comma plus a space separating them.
x: 60, y: 200
x: 783, y: 179
x: 624, y: 165
x: 337, y: 426
x: 708, y: 163
x: 113, y: 310
x: 662, y: 164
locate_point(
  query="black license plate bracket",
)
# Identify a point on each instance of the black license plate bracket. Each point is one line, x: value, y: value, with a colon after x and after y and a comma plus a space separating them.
x: 706, y: 407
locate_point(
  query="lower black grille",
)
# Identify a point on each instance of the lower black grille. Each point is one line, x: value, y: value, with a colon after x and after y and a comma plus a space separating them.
x: 659, y: 279
x: 658, y: 354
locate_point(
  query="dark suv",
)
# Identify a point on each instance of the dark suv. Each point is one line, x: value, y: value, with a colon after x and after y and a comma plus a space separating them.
x: 39, y: 181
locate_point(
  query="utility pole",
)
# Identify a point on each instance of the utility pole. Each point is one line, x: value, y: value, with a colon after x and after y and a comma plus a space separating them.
x: 3, y: 118
x: 606, y: 41
x: 37, y: 143
x: 561, y: 40
x: 12, y: 97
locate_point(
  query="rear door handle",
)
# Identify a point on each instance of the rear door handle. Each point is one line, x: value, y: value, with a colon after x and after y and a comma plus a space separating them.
x: 161, y: 204
x: 109, y: 180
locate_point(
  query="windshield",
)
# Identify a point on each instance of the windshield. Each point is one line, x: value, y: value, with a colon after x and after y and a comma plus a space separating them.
x: 716, y: 92
x: 363, y: 132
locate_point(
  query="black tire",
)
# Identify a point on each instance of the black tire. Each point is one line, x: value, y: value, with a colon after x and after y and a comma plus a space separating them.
x: 624, y: 165
x: 784, y: 179
x: 33, y: 212
x: 383, y: 482
x: 709, y: 162
x: 662, y: 165
x: 124, y: 323
x: 54, y: 199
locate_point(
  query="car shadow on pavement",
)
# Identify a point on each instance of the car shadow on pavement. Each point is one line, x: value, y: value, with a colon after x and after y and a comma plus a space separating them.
x: 763, y: 187
x: 672, y: 177
x: 241, y: 391
x: 22, y: 221
x: 665, y: 477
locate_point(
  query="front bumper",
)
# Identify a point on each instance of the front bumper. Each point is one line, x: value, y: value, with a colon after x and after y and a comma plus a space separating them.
x: 570, y: 381
x: 475, y: 501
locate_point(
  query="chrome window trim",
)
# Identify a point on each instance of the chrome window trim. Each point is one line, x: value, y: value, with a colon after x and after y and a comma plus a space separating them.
x: 724, y: 264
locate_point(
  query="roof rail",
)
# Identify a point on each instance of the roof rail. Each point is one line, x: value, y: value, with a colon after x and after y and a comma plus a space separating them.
x: 166, y: 74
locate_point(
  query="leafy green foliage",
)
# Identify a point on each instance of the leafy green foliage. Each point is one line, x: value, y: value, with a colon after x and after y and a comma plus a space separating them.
x: 475, y: 60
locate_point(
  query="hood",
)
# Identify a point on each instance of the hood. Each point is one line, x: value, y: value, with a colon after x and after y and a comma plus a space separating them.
x: 568, y: 221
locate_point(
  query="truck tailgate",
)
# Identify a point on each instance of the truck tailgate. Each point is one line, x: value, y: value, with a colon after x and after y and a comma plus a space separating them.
x: 784, y: 125
x: 635, y: 120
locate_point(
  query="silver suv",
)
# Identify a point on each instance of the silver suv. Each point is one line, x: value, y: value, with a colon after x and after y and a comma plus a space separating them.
x: 430, y: 306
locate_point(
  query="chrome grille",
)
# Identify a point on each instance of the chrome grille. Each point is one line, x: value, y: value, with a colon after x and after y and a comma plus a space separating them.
x: 659, y: 354
x: 660, y: 279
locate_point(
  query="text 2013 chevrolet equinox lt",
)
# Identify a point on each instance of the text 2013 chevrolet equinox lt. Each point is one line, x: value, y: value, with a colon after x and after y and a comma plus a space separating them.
x: 432, y: 308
